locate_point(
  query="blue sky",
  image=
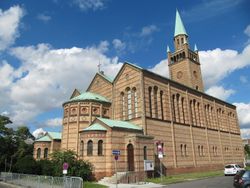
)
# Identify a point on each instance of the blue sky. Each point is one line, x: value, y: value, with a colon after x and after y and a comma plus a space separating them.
x: 50, y: 47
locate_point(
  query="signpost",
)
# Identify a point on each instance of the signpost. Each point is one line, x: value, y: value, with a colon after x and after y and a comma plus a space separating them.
x: 116, y: 153
x: 65, y: 171
x: 160, y: 155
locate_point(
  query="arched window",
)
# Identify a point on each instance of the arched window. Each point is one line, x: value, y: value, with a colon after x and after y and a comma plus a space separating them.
x: 38, y: 154
x: 135, y: 102
x: 185, y: 149
x: 129, y: 97
x: 155, y: 101
x: 100, y: 147
x: 173, y: 102
x: 202, y: 151
x: 150, y: 100
x: 145, y: 152
x: 123, y: 108
x: 182, y: 153
x: 81, y: 148
x: 45, y: 154
x: 183, y: 110
x: 199, y: 150
x: 90, y: 148
x: 161, y: 100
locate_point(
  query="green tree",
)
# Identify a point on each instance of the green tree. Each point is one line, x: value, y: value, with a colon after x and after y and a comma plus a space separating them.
x: 76, y: 167
x: 247, y: 151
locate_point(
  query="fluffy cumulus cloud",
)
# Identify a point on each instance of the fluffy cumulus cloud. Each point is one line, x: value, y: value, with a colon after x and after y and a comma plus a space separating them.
x: 217, y: 64
x: 243, y: 110
x: 47, y: 77
x: 85, y: 5
x: 38, y: 132
x: 161, y: 68
x: 9, y: 23
x: 220, y: 92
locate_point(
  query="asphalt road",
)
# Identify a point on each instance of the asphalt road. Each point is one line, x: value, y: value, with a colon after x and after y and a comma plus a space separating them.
x: 217, y: 182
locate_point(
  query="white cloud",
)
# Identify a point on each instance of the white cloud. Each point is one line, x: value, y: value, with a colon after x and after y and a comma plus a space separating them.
x: 247, y: 31
x: 220, y: 92
x: 217, y: 64
x: 48, y: 77
x: 119, y: 45
x: 54, y: 122
x: 9, y: 23
x: 85, y: 5
x: 43, y: 17
x: 243, y: 110
x: 161, y: 68
x: 148, y: 30
x: 38, y: 132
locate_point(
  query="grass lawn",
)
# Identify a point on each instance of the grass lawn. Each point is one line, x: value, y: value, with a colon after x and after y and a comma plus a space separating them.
x: 93, y: 185
x: 185, y: 177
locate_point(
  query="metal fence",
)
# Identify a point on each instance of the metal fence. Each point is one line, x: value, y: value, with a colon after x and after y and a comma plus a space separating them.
x: 34, y: 181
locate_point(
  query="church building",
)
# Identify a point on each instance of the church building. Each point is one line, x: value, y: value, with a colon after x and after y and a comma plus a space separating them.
x: 147, y: 117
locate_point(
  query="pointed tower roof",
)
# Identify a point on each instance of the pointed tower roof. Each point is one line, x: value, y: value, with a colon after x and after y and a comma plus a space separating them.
x: 179, y: 27
x: 195, y: 48
x: 168, y: 49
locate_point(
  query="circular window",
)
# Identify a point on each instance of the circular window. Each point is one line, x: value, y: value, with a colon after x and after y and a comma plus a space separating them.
x: 179, y: 74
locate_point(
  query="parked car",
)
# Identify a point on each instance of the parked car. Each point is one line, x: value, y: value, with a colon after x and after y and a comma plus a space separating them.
x: 242, y: 179
x: 232, y: 169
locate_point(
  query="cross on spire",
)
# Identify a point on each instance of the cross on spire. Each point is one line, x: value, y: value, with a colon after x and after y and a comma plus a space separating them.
x: 99, y: 66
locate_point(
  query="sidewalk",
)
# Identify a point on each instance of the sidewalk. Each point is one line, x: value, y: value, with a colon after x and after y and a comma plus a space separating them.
x: 140, y: 185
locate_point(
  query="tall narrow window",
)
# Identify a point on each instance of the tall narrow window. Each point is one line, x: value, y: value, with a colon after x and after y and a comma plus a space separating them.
x: 185, y: 149
x: 123, y: 108
x: 161, y: 99
x: 135, y: 103
x: 183, y: 110
x: 156, y: 101
x: 90, y: 148
x: 173, y: 102
x: 45, y: 154
x: 129, y: 103
x: 182, y: 153
x: 145, y: 152
x: 38, y: 154
x: 100, y: 147
x: 191, y: 112
x: 81, y: 148
x: 199, y: 150
x: 202, y: 151
x: 150, y: 100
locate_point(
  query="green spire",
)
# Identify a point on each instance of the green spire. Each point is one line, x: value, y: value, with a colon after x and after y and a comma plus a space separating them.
x: 179, y: 27
x: 195, y: 48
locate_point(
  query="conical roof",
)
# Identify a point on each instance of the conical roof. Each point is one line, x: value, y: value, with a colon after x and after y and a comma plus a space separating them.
x: 179, y: 27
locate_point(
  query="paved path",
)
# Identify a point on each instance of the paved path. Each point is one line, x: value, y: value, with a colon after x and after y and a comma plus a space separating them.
x: 217, y: 182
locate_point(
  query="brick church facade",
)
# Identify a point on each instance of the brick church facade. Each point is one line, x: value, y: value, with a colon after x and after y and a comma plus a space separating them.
x: 138, y: 109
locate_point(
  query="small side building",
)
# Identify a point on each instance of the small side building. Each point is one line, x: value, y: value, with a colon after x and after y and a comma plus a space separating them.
x: 46, y: 144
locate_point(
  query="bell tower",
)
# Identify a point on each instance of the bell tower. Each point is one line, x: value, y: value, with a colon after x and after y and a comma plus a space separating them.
x: 184, y: 63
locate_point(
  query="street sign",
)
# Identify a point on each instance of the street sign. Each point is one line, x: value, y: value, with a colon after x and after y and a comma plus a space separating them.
x: 116, y: 152
x: 116, y: 157
x: 65, y: 166
x: 65, y: 171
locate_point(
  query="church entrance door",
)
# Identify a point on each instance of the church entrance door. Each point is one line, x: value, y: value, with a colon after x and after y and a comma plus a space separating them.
x: 130, y: 159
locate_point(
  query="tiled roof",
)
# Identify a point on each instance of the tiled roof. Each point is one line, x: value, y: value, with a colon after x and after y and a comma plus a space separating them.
x: 95, y: 127
x: 89, y: 96
x: 44, y: 138
x: 119, y: 124
x: 55, y: 135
